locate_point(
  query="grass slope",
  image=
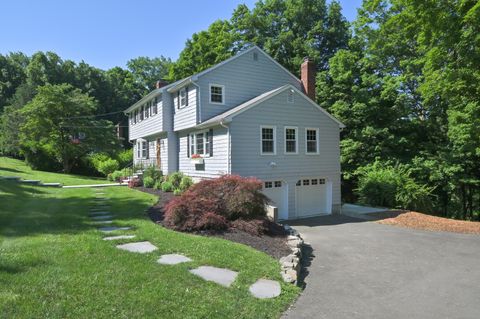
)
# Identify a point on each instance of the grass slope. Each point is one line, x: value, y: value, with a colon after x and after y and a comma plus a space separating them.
x: 53, y: 263
x: 14, y: 167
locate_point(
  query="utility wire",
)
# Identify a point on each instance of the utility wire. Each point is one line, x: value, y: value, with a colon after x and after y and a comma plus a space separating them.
x: 87, y: 116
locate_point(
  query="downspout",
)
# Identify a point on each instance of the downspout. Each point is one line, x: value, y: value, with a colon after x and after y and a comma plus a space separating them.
x: 229, y: 170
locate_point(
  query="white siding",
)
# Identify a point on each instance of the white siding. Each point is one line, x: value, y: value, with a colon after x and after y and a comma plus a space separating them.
x: 244, y: 78
x: 246, y: 157
x: 150, y: 126
x: 186, y: 116
x: 214, y: 166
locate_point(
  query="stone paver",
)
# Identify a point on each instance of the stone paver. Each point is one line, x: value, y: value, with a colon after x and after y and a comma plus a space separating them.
x: 119, y: 237
x: 173, y: 259
x: 113, y: 228
x: 103, y: 222
x: 221, y: 276
x: 265, y: 288
x: 101, y: 217
x: 141, y: 247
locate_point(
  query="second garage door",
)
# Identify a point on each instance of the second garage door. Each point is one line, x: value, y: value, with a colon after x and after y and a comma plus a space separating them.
x: 313, y: 197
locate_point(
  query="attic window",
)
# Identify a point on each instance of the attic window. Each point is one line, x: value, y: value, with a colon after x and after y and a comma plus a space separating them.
x: 183, y: 99
x: 255, y: 56
x: 290, y: 97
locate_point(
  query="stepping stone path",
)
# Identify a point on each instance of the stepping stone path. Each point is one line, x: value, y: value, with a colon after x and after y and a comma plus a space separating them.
x: 100, y: 214
x: 173, y: 259
x: 141, y: 247
x: 221, y: 276
x: 119, y: 237
x: 265, y: 288
x: 101, y: 217
x: 112, y: 229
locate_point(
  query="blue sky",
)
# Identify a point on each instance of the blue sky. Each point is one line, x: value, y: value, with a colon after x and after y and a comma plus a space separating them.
x: 107, y: 33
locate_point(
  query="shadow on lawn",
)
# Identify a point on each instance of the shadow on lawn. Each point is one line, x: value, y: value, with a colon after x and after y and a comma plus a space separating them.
x: 13, y: 170
x: 27, y: 210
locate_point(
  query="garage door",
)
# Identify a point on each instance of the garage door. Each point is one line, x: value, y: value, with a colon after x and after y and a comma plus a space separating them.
x: 278, y: 194
x: 313, y: 197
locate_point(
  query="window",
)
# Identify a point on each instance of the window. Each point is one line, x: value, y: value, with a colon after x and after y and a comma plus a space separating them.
x: 299, y: 183
x: 278, y: 183
x: 200, y: 143
x: 139, y: 149
x: 321, y: 181
x: 154, y: 106
x: 290, y: 140
x: 147, y: 110
x: 135, y: 117
x: 267, y: 140
x: 144, y: 149
x: 268, y: 185
x: 290, y: 97
x: 315, y: 181
x: 182, y: 98
x: 217, y: 94
x: 311, y: 141
x: 306, y: 182
x: 142, y: 112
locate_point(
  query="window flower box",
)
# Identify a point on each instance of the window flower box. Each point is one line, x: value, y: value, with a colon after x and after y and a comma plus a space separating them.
x: 196, y: 159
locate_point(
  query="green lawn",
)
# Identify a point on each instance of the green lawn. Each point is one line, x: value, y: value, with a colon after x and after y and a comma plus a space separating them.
x: 53, y: 263
x: 13, y: 167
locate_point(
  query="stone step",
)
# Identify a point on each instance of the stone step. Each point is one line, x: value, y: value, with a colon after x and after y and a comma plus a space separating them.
x: 30, y: 181
x: 51, y: 184
x: 221, y: 276
x: 141, y: 247
x: 11, y: 178
x: 264, y: 289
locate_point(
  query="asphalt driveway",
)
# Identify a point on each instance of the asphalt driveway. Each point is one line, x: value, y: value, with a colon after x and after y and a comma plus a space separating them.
x: 362, y: 269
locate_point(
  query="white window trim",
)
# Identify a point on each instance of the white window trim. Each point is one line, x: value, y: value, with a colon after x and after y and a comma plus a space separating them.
x: 210, y: 93
x: 285, y: 140
x: 194, y: 141
x: 274, y: 139
x: 180, y: 105
x: 317, y: 130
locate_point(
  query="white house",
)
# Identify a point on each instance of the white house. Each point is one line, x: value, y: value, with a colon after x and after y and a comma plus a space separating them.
x: 247, y: 116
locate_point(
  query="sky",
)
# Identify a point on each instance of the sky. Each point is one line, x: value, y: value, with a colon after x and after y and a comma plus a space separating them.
x: 108, y: 33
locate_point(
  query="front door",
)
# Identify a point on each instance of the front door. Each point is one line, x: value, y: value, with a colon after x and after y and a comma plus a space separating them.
x: 159, y: 153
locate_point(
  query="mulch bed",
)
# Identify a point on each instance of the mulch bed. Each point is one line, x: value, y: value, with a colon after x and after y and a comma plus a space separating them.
x: 273, y: 245
x: 426, y: 222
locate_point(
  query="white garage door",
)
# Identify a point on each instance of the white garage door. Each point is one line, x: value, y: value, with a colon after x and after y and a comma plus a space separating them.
x: 278, y: 194
x: 313, y: 197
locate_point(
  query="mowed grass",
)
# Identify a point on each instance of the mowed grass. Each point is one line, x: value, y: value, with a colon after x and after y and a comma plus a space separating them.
x: 14, y: 167
x: 54, y: 263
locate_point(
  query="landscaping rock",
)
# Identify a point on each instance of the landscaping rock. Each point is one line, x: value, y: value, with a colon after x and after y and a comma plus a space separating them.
x: 173, y: 259
x: 141, y: 247
x: 113, y: 228
x: 265, y: 288
x: 119, y: 237
x: 289, y: 276
x: 221, y: 276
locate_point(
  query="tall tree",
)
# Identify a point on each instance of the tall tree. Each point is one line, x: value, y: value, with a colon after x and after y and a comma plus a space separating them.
x: 55, y: 122
x: 147, y: 71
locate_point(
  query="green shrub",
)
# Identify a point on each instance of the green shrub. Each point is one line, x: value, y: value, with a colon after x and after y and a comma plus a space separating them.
x: 175, y: 179
x: 158, y: 185
x: 153, y: 172
x: 177, y: 192
x: 185, y: 183
x: 384, y: 185
x: 108, y: 166
x: 125, y: 157
x: 167, y: 186
x: 148, y: 182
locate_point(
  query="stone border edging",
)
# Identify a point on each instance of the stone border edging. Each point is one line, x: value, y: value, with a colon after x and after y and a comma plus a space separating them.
x: 291, y: 264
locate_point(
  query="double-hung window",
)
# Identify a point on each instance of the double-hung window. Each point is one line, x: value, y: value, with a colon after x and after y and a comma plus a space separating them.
x: 142, y: 112
x: 291, y: 143
x: 144, y: 149
x: 217, y: 94
x: 311, y: 141
x: 182, y: 98
x: 154, y: 106
x: 147, y: 110
x: 268, y: 137
x: 200, y: 143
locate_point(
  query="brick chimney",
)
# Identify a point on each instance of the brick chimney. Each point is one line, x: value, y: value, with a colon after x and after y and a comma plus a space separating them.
x: 308, y: 73
x: 160, y: 84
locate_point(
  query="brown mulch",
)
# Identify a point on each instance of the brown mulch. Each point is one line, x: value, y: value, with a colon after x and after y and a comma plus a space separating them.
x: 426, y: 222
x: 273, y: 245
